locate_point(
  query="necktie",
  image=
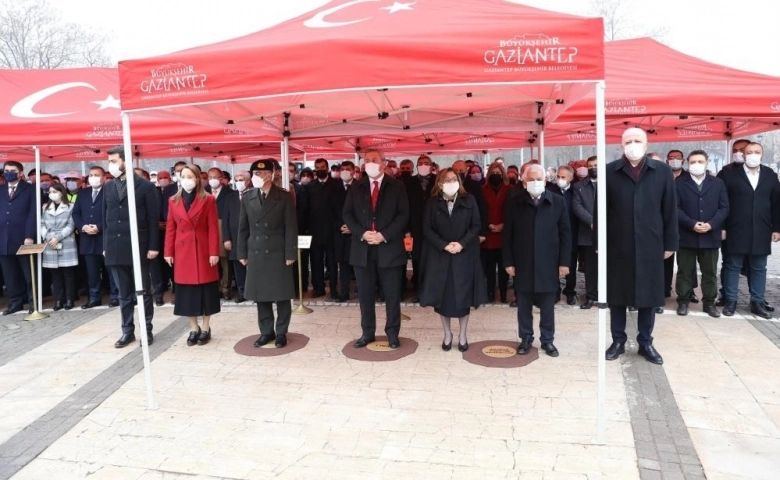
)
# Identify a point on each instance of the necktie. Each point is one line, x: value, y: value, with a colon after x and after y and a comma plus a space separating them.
x: 374, y: 199
x: 262, y: 197
x: 94, y: 195
x: 11, y: 192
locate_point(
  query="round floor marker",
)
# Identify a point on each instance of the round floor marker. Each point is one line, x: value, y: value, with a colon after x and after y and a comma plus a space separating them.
x: 383, y: 346
x: 499, y: 351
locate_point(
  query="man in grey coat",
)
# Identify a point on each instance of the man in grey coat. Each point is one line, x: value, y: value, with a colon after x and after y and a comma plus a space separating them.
x: 267, y: 244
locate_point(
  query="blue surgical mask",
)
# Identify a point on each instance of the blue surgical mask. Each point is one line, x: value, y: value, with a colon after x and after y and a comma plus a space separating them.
x: 11, y: 176
x: 45, y: 186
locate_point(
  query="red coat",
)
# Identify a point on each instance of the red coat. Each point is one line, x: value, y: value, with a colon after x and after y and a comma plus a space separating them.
x: 191, y: 238
x: 495, y: 202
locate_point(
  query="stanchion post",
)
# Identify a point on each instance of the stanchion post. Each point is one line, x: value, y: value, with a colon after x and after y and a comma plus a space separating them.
x: 31, y: 250
x: 303, y: 242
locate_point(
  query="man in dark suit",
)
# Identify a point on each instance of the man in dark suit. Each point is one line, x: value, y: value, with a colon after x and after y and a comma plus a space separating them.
x: 17, y: 198
x: 642, y: 231
x: 702, y: 209
x: 583, y: 204
x: 342, y: 237
x: 537, y: 249
x: 221, y: 194
x: 117, y: 244
x: 563, y: 187
x: 243, y: 184
x: 301, y: 200
x: 376, y: 211
x: 675, y: 160
x: 319, y: 224
x: 88, y: 218
x: 418, y: 189
x: 753, y: 224
x: 159, y: 268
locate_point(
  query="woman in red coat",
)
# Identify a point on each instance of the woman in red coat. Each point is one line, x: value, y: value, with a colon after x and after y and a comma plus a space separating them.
x: 495, y: 191
x: 192, y: 249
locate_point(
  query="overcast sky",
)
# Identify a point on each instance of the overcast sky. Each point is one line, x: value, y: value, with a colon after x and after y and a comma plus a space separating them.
x: 738, y: 34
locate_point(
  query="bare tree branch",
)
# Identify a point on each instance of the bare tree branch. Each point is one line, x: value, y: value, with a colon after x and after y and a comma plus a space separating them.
x: 618, y: 24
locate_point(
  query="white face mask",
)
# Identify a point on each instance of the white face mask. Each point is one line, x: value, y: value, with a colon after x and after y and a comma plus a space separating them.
x: 697, y: 169
x: 115, y: 170
x: 345, y: 175
x: 752, y: 160
x: 163, y: 182
x: 335, y: 174
x: 424, y: 170
x: 373, y: 170
x: 94, y: 182
x: 535, y: 187
x: 634, y: 151
x: 257, y: 182
x: 214, y: 183
x: 188, y: 184
x: 241, y: 186
x: 582, y: 172
x: 305, y: 180
x: 737, y: 157
x: 675, y: 164
x: 562, y: 183
x: 450, y: 188
x: 55, y: 197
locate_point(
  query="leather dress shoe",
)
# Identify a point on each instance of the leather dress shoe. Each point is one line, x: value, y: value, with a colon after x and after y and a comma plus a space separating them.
x: 393, y: 342
x: 149, y: 338
x: 659, y: 310
x: 513, y: 304
x: 69, y: 305
x: 588, y: 305
x: 240, y: 299
x: 682, y: 309
x: 159, y: 301
x: 693, y: 298
x: 550, y: 349
x: 89, y: 305
x: 615, y: 350
x: 758, y: 310
x: 281, y: 340
x: 192, y: 339
x: 651, y: 354
x: 571, y: 299
x: 204, y: 337
x: 721, y: 302
x: 12, y: 309
x: 31, y: 309
x: 710, y: 310
x: 57, y: 306
x: 343, y: 298
x: 125, y: 340
x: 525, y: 346
x: 768, y: 307
x: 463, y: 346
x: 364, y: 340
x: 446, y: 346
x: 113, y: 303
x: 264, y: 340
x: 729, y: 309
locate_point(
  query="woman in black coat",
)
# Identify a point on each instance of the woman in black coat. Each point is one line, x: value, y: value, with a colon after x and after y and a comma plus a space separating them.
x: 451, y: 280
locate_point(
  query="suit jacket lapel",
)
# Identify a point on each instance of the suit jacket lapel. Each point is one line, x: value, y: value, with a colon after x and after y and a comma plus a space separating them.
x: 270, y: 201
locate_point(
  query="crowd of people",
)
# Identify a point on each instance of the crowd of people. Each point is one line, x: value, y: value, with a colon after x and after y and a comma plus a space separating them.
x: 470, y: 234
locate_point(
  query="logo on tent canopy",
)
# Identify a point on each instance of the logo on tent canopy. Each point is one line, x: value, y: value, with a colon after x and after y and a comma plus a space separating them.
x: 530, y: 52
x: 174, y: 80
x: 236, y: 132
x: 105, y: 131
x: 698, y: 130
x: 87, y: 153
x: 621, y: 106
x: 775, y: 106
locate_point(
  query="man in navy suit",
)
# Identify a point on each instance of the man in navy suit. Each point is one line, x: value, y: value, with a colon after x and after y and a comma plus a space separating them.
x: 88, y: 217
x: 17, y: 206
x: 160, y: 270
x: 562, y: 187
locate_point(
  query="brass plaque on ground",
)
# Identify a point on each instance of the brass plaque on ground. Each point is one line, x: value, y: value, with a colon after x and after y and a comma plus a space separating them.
x: 381, y: 346
x: 499, y: 351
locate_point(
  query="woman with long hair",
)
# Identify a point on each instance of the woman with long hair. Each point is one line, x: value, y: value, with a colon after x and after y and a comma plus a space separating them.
x: 192, y: 249
x: 451, y: 276
x: 61, y: 255
x: 495, y: 191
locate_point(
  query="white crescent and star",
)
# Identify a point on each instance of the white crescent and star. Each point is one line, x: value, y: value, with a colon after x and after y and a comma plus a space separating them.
x: 25, y: 108
x: 319, y: 20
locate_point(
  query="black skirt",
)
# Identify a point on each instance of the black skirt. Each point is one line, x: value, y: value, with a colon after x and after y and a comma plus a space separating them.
x: 448, y: 306
x: 197, y: 300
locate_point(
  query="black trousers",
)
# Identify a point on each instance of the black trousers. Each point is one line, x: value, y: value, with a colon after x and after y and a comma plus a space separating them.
x: 319, y: 255
x: 123, y: 277
x: 16, y: 274
x: 570, y: 288
x: 591, y: 273
x: 416, y: 275
x: 525, y: 318
x: 265, y: 317
x: 95, y: 271
x: 64, y: 281
x: 161, y: 274
x: 492, y: 261
x: 645, y: 323
x: 390, y: 279
x: 239, y: 270
x: 345, y: 278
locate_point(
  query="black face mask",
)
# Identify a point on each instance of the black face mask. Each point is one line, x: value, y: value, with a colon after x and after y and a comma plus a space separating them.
x: 406, y: 174
x: 321, y: 174
x: 496, y: 179
x: 593, y: 172
x: 512, y: 181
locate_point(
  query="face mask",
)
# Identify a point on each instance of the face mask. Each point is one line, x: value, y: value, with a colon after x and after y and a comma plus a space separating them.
x: 214, y: 183
x: 345, y: 175
x: 737, y: 157
x: 94, y: 182
x: 305, y: 180
x: 115, y: 170
x: 512, y: 181
x: 72, y: 186
x: 321, y: 174
x: 496, y: 179
x: 55, y: 197
x: 424, y: 170
x: 562, y: 183
x: 176, y: 178
x: 163, y: 182
x: 335, y: 174
x: 11, y: 176
x: 406, y: 174
x: 477, y: 177
x: 675, y: 164
x: 697, y: 169
x: 634, y: 151
x: 450, y: 189
x: 593, y: 172
x: 752, y: 160
x: 535, y: 187
x: 393, y: 171
x: 582, y: 172
x: 258, y: 182
x: 241, y: 186
x: 44, y: 185
x: 372, y: 170
x: 187, y: 184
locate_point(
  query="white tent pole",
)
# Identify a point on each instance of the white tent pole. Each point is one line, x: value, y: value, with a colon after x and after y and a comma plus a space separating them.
x: 601, y: 200
x: 285, y: 163
x: 83, y: 168
x: 541, y: 148
x: 727, y: 155
x: 137, y: 273
x: 522, y: 155
x: 38, y: 225
x: 581, y: 157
